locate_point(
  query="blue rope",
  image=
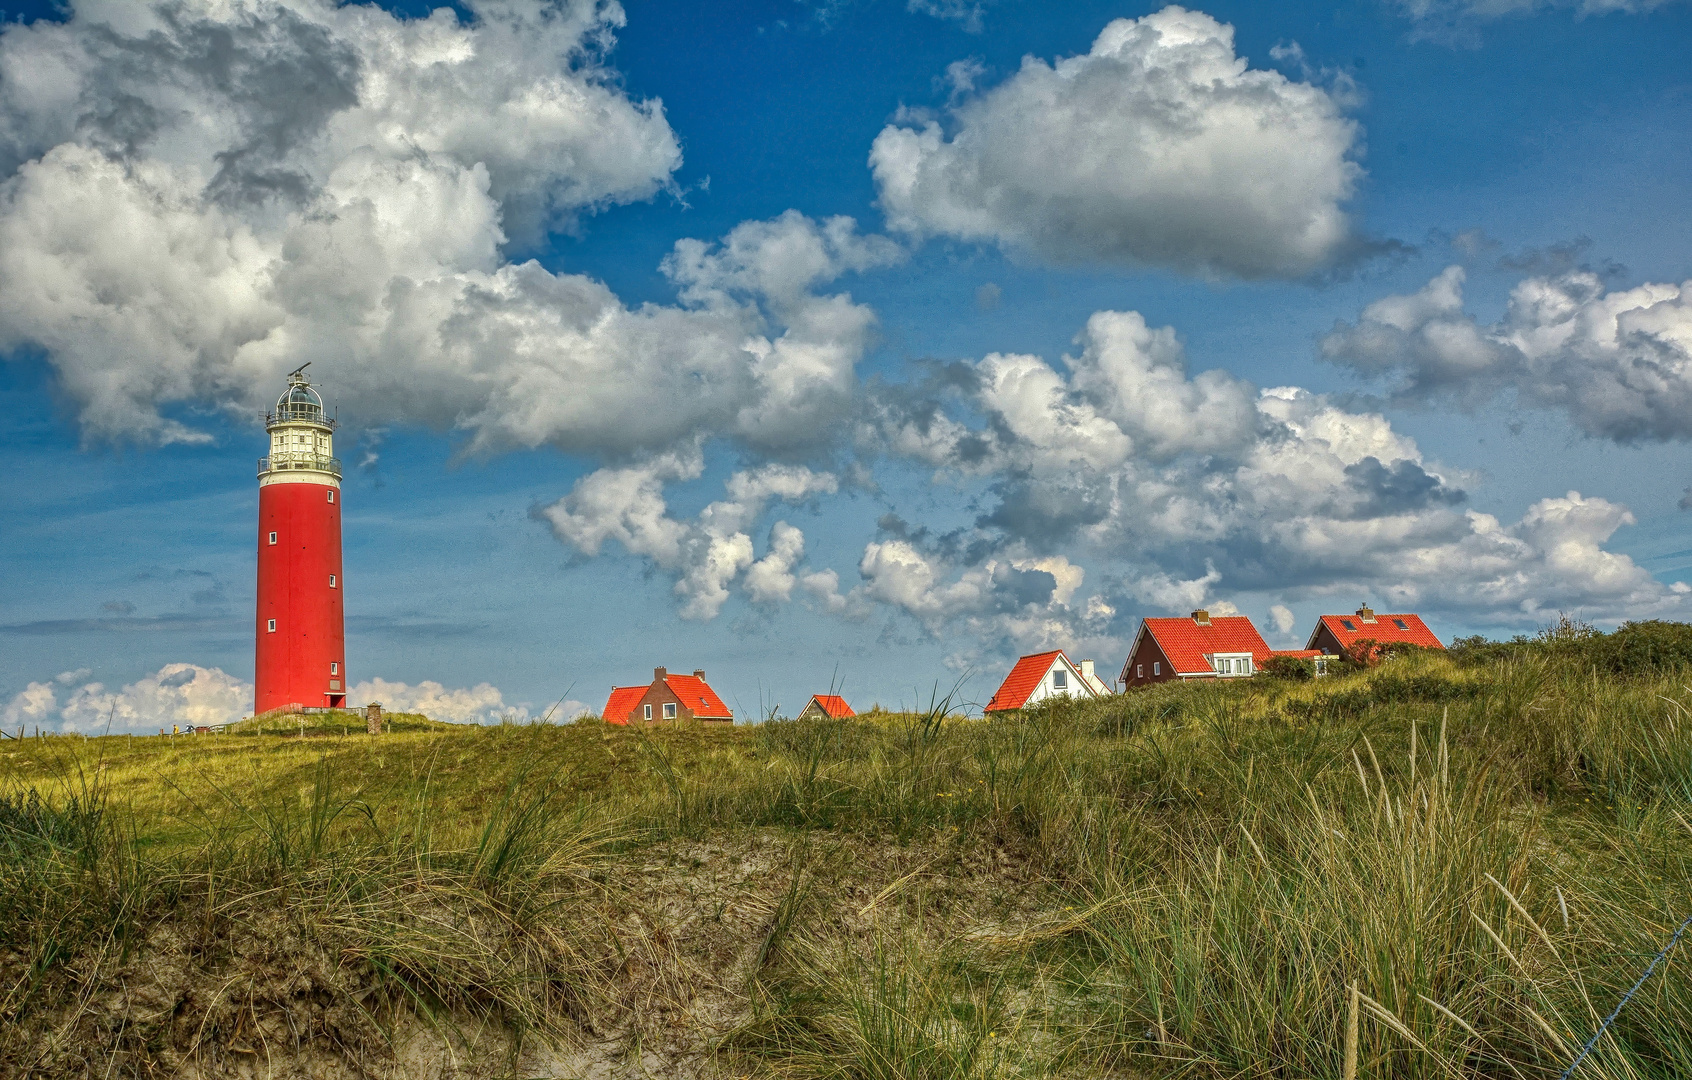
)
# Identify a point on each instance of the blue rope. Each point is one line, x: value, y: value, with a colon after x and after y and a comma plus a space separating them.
x: 1608, y: 1020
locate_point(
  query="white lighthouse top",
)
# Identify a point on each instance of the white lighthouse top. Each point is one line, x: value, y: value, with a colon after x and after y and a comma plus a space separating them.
x: 301, y: 438
x: 299, y: 404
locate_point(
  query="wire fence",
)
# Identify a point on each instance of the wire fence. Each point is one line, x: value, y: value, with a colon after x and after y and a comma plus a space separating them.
x: 1625, y: 998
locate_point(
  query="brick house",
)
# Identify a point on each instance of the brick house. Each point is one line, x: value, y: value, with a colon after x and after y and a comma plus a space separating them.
x: 667, y: 697
x: 1196, y: 647
x: 1334, y: 634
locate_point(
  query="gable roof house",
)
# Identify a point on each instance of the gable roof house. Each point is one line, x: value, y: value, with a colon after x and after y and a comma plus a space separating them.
x: 1044, y: 675
x: 1196, y: 647
x: 1334, y: 634
x: 826, y: 705
x: 667, y: 697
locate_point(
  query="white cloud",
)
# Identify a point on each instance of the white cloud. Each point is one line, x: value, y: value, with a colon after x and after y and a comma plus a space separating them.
x: 343, y: 193
x: 706, y: 555
x: 1202, y: 484
x: 1453, y: 21
x: 1619, y: 363
x: 1159, y: 146
x: 35, y: 703
x: 185, y: 694
x: 967, y: 12
x: 1281, y: 618
x: 482, y: 703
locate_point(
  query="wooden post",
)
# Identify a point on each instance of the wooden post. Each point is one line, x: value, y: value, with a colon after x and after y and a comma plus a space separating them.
x: 373, y: 718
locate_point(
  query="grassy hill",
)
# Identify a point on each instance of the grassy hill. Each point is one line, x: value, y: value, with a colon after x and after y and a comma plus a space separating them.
x: 1182, y: 881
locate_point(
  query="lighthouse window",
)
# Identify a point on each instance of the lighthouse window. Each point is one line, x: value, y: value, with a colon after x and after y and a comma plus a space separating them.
x: 273, y: 538
x: 331, y: 581
x: 331, y: 494
x: 334, y: 667
x: 272, y: 627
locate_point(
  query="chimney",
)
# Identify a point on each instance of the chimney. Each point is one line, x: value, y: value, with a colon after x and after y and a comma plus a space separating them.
x: 1366, y: 613
x: 698, y: 673
x: 660, y: 674
x: 1087, y: 670
x: 1202, y: 617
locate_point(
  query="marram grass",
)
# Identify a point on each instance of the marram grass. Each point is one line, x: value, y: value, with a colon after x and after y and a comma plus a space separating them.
x: 1182, y: 881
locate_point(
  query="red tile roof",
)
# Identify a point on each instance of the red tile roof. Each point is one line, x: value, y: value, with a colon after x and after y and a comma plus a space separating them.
x: 1385, y: 628
x: 832, y: 705
x: 698, y: 697
x: 622, y: 703
x: 1023, y: 678
x: 1186, y: 643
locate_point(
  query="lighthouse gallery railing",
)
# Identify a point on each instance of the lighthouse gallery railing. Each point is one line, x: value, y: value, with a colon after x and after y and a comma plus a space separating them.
x: 299, y: 459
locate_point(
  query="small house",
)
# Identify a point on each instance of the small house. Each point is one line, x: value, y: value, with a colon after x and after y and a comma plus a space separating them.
x: 1196, y: 647
x: 667, y: 697
x: 1044, y: 675
x: 831, y: 706
x: 1336, y: 634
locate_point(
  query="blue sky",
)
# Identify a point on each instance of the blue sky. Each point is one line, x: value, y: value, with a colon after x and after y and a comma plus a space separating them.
x: 621, y: 388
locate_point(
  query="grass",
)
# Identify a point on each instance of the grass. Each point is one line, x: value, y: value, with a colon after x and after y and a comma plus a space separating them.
x: 1187, y: 880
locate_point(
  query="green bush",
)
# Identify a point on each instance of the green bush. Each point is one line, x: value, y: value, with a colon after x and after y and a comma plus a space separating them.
x: 1648, y: 648
x: 1291, y: 668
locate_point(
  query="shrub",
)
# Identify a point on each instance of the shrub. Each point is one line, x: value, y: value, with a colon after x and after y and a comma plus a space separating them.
x: 1646, y: 648
x: 1291, y: 668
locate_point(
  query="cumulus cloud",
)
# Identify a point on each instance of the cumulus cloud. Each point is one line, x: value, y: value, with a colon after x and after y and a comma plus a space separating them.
x: 200, y: 196
x: 1158, y: 147
x: 1203, y: 484
x: 706, y: 555
x: 482, y: 703
x: 176, y: 694
x: 1618, y: 362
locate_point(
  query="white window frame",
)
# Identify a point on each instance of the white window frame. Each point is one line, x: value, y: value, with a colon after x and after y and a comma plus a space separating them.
x: 648, y: 708
x: 1139, y: 671
x: 1060, y: 680
x: 331, y: 581
x: 334, y: 667
x: 273, y: 539
x: 331, y: 494
x: 669, y: 710
x: 1157, y: 668
x: 271, y: 628
x: 1231, y: 665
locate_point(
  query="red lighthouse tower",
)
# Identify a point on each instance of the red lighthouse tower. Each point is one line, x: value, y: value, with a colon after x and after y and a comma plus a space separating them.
x: 300, y: 649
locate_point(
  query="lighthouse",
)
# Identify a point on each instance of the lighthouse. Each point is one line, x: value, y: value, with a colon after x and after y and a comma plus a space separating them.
x: 299, y: 655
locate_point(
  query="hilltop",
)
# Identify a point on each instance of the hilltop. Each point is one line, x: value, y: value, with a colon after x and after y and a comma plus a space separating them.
x: 1183, y: 880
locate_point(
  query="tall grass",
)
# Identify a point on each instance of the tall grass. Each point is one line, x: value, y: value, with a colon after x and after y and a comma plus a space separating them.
x: 1487, y: 851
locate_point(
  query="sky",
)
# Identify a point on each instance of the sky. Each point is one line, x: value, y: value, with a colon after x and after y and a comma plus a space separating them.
x: 852, y: 344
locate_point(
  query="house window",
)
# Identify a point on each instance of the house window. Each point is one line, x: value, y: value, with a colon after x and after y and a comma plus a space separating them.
x: 334, y: 667
x: 1245, y: 666
x: 1060, y: 680
x: 1321, y: 666
x: 1139, y: 671
x: 271, y: 628
x: 331, y: 581
x: 1157, y: 668
x: 331, y: 494
x: 1401, y: 624
x: 273, y: 538
x: 648, y: 711
x: 1347, y: 623
x: 669, y: 710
